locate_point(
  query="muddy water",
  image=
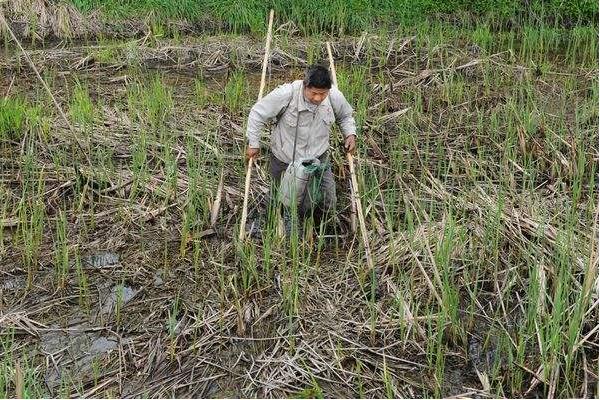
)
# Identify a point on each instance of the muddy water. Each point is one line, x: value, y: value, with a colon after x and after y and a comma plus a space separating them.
x: 101, y: 260
x: 77, y: 346
x: 84, y: 347
x: 117, y: 296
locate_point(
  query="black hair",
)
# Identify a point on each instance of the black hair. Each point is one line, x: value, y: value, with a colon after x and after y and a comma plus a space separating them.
x: 317, y: 76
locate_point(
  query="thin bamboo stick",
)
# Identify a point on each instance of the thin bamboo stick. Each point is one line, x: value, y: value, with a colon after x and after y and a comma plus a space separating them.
x: 361, y: 219
x: 242, y: 234
x: 352, y: 186
x: 214, y: 213
x: 39, y: 77
x: 354, y: 192
x: 267, y: 51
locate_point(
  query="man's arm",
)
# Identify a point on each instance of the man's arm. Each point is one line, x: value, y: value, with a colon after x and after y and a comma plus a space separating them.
x: 343, y: 115
x: 265, y: 109
x: 343, y: 112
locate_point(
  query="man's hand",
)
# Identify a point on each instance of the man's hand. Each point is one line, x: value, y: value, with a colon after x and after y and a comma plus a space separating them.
x: 350, y: 144
x: 251, y: 152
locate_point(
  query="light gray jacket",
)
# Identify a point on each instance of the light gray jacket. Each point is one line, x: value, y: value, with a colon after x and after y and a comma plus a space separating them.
x: 314, y: 122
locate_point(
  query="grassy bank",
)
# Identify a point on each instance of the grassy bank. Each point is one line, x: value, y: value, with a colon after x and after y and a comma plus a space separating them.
x: 354, y: 16
x: 105, y: 18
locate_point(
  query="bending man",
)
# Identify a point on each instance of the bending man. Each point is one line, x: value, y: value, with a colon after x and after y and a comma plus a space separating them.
x: 304, y: 112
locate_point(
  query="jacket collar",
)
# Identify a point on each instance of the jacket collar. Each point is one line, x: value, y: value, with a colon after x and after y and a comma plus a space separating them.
x: 302, y: 106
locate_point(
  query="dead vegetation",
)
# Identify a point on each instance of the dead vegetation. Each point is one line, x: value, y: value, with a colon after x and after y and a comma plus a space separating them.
x: 479, y: 194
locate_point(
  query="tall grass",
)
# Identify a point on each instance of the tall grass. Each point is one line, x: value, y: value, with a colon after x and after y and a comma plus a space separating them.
x: 61, y: 250
x: 18, y: 117
x: 154, y: 99
x: 236, y: 91
x: 31, y: 212
x: 13, y: 114
x: 82, y: 110
x: 19, y: 377
x: 354, y: 16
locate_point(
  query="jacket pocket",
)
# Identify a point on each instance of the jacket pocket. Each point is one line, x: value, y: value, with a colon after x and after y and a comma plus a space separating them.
x: 328, y: 117
x: 290, y: 119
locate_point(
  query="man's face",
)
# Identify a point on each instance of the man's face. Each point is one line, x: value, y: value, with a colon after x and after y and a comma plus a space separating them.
x: 315, y: 95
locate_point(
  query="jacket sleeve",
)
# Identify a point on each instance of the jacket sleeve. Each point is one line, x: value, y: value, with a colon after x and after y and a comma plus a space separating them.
x: 266, y: 108
x: 343, y: 112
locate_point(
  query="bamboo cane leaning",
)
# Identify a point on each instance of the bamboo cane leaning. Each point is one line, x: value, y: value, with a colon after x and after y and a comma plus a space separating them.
x: 242, y: 233
x: 46, y: 88
x: 361, y: 218
x: 355, y: 193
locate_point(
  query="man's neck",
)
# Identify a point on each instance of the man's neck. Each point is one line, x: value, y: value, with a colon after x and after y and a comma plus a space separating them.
x: 310, y: 105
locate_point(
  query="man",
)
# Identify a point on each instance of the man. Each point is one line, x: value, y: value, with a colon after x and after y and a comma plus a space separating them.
x: 304, y: 112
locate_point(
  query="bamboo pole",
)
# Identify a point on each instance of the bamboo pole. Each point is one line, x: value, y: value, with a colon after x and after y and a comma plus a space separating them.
x: 267, y: 51
x: 354, y: 192
x: 242, y: 234
x: 361, y: 219
x: 353, y: 187
x: 214, y: 212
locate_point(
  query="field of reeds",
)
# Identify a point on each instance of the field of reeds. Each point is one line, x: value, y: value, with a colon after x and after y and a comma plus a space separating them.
x: 121, y: 272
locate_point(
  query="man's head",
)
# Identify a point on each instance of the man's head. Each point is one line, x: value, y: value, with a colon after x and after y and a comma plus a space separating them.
x: 317, y: 82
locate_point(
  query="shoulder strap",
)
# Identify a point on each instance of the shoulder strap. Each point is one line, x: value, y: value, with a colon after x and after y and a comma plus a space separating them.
x: 296, y: 132
x: 285, y: 108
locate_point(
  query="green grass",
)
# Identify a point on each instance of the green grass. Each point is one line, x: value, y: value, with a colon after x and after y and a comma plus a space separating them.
x: 236, y: 92
x: 151, y: 102
x: 17, y: 368
x: 343, y: 17
x: 312, y: 392
x: 19, y: 116
x: 61, y: 257
x: 202, y: 93
x: 82, y: 109
x: 13, y: 114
